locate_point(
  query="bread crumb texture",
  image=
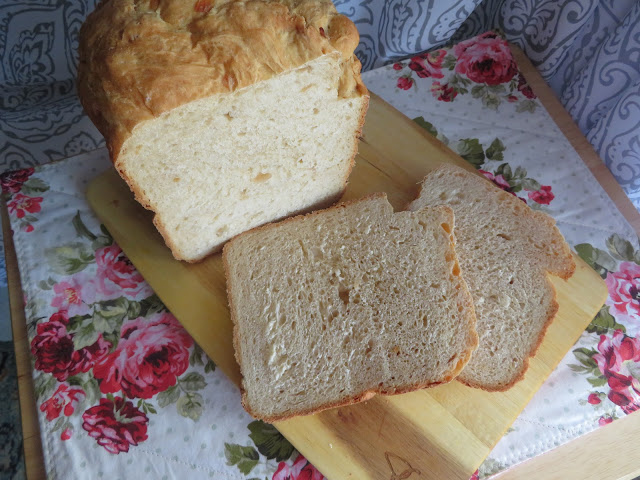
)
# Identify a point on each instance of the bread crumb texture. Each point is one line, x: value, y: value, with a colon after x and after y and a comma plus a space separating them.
x: 505, y: 251
x: 336, y: 306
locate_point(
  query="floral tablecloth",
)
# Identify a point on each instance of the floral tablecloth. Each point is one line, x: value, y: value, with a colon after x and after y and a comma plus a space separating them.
x: 124, y: 392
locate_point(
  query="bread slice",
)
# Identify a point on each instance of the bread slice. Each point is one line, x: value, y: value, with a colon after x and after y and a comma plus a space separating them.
x: 505, y: 251
x: 224, y: 115
x: 334, y: 307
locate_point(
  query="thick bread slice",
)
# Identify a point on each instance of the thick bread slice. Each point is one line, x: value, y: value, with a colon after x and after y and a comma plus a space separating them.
x: 336, y: 306
x: 505, y: 251
x: 224, y: 115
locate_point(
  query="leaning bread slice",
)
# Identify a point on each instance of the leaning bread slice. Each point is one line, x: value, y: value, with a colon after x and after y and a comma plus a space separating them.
x: 336, y: 306
x: 505, y: 251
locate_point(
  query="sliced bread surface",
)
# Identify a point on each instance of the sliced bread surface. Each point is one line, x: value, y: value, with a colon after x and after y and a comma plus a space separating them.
x: 336, y: 306
x: 506, y: 250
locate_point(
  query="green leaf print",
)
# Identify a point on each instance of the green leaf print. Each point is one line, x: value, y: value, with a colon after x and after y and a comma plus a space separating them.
x: 495, y: 150
x: 210, y: 366
x: 504, y: 169
x: 584, y: 355
x: 169, y: 396
x: 150, y: 305
x: 471, y: 150
x: 103, y: 240
x: 604, y: 322
x: 133, y: 309
x: 44, y: 385
x: 92, y: 391
x: 85, y: 335
x: 269, y: 441
x: 81, y: 228
x: 449, y: 62
x: 479, y: 91
x: 59, y: 423
x: 108, y: 315
x: 428, y: 126
x: 597, y: 259
x: 530, y: 184
x: 620, y: 248
x: 76, y: 321
x: 245, y: 458
x: 69, y: 259
x: 580, y: 369
x: 597, y: 381
x: 34, y: 185
x: 190, y: 406
x: 196, y: 356
x: 491, y: 101
x: 526, y: 106
x: 192, y: 382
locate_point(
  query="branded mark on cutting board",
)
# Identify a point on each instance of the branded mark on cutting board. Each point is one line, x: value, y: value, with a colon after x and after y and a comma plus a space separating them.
x: 396, y: 464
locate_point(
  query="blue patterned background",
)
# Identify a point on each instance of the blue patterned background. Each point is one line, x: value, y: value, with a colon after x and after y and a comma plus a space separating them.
x: 587, y: 50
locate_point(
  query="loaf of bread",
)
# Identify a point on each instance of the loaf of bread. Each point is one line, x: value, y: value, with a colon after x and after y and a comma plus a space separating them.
x: 505, y: 251
x: 347, y: 302
x: 222, y: 115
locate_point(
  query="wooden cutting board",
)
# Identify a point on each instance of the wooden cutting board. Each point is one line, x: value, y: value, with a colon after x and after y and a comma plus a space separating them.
x: 439, y: 433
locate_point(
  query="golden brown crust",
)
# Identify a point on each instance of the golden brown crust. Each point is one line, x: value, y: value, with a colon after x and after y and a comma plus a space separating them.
x: 140, y: 58
x: 462, y: 360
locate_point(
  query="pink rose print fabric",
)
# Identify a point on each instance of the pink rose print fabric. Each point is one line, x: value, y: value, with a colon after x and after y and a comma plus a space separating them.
x: 428, y: 64
x: 300, y: 470
x: 74, y: 294
x: 624, y: 292
x: 21, y: 204
x: 11, y: 182
x: 482, y: 66
x: 115, y: 424
x: 151, y: 355
x: 485, y: 59
x: 612, y: 367
x: 116, y: 274
x: 64, y: 400
x: 618, y: 359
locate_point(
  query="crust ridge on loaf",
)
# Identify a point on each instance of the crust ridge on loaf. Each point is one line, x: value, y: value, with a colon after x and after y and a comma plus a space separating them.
x: 222, y: 115
x: 348, y: 302
x: 506, y: 250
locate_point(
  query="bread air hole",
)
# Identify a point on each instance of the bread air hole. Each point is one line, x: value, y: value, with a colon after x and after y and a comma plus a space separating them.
x: 369, y: 347
x: 343, y: 293
x: 261, y: 177
x: 446, y: 227
x: 502, y: 235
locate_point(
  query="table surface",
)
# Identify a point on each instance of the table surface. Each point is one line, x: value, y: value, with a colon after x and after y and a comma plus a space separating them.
x: 586, y: 457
